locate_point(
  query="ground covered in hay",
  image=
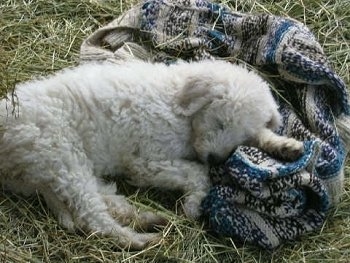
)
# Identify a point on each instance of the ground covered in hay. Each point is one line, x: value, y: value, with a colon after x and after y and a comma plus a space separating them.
x: 41, y: 36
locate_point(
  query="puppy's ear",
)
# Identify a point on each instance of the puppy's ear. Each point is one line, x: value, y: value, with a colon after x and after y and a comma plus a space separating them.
x: 196, y: 94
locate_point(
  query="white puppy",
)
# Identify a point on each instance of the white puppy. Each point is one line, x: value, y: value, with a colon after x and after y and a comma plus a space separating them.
x: 157, y: 125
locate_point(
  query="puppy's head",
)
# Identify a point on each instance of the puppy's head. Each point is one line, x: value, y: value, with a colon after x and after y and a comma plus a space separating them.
x: 220, y: 117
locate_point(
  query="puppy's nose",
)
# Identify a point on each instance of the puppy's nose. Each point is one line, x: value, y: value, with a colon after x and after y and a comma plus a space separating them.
x: 214, y: 159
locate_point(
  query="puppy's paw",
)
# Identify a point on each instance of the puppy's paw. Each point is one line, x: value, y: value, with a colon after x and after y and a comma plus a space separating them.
x: 65, y: 219
x: 139, y: 241
x: 149, y: 221
x: 192, y: 206
x: 119, y: 209
x: 126, y: 214
x: 291, y: 149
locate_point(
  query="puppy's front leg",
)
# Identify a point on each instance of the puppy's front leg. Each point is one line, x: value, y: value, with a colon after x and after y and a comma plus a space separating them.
x: 280, y: 146
x: 190, y: 177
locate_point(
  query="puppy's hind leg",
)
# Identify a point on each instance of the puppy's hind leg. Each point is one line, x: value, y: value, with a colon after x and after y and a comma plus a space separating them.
x: 126, y: 213
x: 279, y: 146
x: 60, y: 210
x: 70, y: 187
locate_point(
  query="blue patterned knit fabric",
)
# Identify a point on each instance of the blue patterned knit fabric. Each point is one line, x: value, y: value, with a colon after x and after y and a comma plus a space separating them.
x: 255, y: 197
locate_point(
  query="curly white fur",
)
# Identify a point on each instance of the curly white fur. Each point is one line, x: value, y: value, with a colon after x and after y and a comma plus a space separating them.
x: 157, y: 125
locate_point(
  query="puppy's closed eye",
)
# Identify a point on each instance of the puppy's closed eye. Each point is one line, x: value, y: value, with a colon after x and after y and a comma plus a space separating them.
x: 220, y: 125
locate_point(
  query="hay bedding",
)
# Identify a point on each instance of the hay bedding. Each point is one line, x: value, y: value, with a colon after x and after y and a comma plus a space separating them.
x: 255, y: 198
x: 25, y: 238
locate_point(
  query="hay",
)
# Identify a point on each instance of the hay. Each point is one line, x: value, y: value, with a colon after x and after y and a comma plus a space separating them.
x: 41, y: 36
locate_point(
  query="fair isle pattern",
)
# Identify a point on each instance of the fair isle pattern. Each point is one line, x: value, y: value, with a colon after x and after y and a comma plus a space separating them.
x: 256, y: 198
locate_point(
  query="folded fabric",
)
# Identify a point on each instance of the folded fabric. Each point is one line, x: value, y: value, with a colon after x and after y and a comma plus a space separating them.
x: 255, y: 198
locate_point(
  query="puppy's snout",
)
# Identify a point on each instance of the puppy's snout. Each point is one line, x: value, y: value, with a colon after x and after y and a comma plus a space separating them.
x: 214, y: 159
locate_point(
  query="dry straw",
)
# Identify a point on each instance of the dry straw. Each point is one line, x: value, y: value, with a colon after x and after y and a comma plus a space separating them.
x: 40, y: 36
